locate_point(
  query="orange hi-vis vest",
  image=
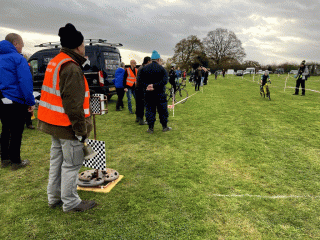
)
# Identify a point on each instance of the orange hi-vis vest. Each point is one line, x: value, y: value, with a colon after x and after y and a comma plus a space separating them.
x: 131, y: 79
x: 50, y: 107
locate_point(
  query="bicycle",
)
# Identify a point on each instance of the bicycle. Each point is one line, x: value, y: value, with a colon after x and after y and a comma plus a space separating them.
x: 264, y: 90
x: 181, y: 94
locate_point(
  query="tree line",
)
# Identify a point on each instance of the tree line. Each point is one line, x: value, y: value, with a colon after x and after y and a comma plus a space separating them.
x: 221, y: 49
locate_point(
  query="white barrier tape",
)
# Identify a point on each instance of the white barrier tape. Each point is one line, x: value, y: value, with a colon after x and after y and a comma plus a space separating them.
x: 184, y: 99
x: 306, y: 89
x: 260, y: 196
x: 272, y: 86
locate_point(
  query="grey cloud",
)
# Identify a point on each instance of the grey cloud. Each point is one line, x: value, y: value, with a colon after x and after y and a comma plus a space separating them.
x: 143, y: 28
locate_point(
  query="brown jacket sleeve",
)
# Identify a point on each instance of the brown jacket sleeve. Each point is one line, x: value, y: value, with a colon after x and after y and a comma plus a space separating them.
x: 72, y: 90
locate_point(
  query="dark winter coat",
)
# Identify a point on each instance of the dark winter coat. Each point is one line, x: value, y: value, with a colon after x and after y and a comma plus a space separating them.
x: 72, y: 89
x: 155, y: 74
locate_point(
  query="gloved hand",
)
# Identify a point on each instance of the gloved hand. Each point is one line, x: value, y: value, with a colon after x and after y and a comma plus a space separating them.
x: 81, y: 138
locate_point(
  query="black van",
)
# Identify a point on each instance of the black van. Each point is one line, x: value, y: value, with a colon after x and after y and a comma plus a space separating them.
x: 103, y: 60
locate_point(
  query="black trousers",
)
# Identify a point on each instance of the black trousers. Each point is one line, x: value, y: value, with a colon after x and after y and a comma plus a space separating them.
x: 120, y: 93
x: 174, y: 85
x: 197, y: 85
x: 140, y: 106
x: 152, y: 106
x: 28, y: 118
x: 13, y: 120
x: 303, y: 85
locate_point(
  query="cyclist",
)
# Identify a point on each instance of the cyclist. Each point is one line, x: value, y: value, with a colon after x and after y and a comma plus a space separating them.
x: 264, y: 78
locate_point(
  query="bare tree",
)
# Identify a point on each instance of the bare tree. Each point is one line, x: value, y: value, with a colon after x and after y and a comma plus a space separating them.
x: 251, y: 63
x: 186, y: 51
x: 222, y: 45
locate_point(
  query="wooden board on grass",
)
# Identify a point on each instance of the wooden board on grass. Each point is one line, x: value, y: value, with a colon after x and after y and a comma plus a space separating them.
x: 102, y: 189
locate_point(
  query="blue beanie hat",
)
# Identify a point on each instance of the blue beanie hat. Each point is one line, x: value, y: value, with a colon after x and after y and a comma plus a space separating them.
x: 155, y: 55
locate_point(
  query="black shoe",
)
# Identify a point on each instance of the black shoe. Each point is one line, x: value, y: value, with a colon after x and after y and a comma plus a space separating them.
x: 150, y: 130
x: 16, y: 166
x: 118, y: 109
x: 302, y: 94
x: 83, y: 206
x: 57, y: 204
x: 295, y: 94
x: 5, y: 163
x: 137, y: 120
x: 166, y: 129
x: 142, y: 122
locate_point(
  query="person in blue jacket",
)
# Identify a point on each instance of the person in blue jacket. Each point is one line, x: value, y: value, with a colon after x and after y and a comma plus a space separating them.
x: 178, y: 75
x: 16, y: 88
x: 118, y: 82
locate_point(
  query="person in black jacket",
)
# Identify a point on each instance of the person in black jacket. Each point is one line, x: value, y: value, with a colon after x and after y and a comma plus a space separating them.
x: 206, y: 74
x: 172, y: 78
x: 153, y: 78
x: 140, y: 105
x: 302, y: 76
x: 197, y: 78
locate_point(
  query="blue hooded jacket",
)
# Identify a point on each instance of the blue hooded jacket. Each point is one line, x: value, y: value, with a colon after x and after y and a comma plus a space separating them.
x: 118, y: 80
x: 15, y: 77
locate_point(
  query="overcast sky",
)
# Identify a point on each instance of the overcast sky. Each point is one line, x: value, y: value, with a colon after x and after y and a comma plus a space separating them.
x: 270, y: 31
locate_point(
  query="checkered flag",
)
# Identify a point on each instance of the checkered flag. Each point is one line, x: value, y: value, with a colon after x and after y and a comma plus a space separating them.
x: 99, y: 161
x: 95, y: 105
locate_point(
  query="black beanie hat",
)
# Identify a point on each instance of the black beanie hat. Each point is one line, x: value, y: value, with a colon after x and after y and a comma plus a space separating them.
x: 70, y: 37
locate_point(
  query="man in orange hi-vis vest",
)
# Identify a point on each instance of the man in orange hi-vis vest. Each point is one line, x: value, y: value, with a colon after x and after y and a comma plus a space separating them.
x: 64, y: 114
x: 129, y: 82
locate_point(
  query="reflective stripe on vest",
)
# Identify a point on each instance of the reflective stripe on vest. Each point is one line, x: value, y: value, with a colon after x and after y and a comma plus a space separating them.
x: 131, y: 79
x: 57, y: 108
x: 50, y: 107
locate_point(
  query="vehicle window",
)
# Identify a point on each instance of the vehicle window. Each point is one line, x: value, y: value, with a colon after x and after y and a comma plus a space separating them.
x: 34, y: 66
x: 111, y: 60
x: 46, y: 60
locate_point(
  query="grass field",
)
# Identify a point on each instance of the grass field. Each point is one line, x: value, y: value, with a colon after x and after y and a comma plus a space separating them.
x: 235, y: 166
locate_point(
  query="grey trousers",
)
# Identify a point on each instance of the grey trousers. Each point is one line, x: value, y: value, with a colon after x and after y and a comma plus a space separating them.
x: 65, y: 162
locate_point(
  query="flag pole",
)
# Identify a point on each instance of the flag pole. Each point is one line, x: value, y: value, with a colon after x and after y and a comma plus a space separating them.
x: 173, y: 98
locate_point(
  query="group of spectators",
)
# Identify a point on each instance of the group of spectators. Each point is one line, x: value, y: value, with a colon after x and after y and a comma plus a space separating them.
x: 200, y: 77
x: 147, y: 86
x: 132, y: 80
x: 175, y: 75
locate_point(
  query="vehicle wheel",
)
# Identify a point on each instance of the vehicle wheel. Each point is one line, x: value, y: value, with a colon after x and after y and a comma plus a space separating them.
x: 182, y: 94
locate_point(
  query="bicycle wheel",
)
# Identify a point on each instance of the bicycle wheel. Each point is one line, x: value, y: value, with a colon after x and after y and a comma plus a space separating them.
x: 168, y: 93
x: 268, y: 92
x: 181, y: 95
